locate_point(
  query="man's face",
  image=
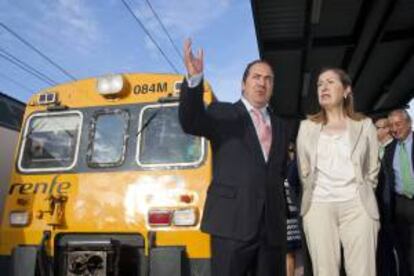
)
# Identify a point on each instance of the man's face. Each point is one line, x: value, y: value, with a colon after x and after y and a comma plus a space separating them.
x: 258, y: 87
x: 383, y: 129
x: 400, y: 126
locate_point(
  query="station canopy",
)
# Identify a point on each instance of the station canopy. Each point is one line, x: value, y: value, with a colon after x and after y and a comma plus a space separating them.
x: 373, y: 40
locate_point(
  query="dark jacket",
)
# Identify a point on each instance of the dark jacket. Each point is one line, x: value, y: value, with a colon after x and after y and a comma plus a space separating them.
x: 387, y: 195
x: 244, y: 187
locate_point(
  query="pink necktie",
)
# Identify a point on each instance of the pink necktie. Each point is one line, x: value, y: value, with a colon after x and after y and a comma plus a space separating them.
x: 263, y: 131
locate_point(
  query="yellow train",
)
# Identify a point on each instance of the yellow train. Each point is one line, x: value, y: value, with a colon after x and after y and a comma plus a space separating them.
x: 106, y: 182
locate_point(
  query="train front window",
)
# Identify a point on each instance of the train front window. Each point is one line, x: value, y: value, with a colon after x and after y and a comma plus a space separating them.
x: 161, y: 141
x: 50, y: 142
x: 109, y: 136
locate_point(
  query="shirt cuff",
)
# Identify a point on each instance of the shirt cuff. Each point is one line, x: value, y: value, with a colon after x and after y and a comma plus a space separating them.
x: 195, y: 80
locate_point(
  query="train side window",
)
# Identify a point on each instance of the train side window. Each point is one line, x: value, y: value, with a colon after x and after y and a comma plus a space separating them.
x: 162, y: 142
x: 108, y: 138
x: 50, y: 142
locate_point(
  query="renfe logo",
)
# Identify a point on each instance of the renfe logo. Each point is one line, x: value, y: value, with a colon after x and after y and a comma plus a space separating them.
x: 41, y: 187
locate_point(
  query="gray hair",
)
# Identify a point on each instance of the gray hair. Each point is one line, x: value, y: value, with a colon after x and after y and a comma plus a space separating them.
x: 402, y: 112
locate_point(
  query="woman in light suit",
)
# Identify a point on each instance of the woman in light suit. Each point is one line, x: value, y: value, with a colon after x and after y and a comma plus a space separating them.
x: 337, y: 153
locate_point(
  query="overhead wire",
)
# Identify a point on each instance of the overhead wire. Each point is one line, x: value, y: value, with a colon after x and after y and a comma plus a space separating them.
x: 150, y: 36
x: 11, y: 56
x: 164, y: 29
x: 27, y: 89
x: 31, y: 46
x: 26, y: 67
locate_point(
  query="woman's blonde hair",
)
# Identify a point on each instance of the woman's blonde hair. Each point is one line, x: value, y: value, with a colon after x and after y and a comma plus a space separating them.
x: 348, y: 104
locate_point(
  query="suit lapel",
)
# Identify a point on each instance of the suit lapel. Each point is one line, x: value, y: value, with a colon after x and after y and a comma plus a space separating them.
x: 389, y: 153
x: 276, y: 136
x: 313, y: 136
x: 250, y: 136
x: 355, y: 129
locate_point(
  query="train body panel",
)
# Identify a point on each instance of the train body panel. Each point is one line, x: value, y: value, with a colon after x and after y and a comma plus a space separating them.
x: 105, y: 181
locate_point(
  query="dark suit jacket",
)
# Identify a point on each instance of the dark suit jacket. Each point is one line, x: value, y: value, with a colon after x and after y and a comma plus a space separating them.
x: 387, y: 175
x: 244, y: 187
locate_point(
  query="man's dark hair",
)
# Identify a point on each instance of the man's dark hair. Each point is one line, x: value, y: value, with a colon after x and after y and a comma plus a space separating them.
x: 247, y: 70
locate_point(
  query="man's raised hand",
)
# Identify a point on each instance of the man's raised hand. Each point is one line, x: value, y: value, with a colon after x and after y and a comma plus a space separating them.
x: 193, y: 64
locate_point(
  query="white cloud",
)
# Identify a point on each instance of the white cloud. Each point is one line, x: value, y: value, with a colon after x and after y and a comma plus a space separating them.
x: 76, y: 23
x: 153, y: 50
x: 193, y: 15
x: 62, y: 22
x: 181, y: 18
x: 226, y: 80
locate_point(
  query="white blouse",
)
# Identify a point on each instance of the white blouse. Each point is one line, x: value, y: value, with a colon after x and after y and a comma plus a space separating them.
x: 335, y: 176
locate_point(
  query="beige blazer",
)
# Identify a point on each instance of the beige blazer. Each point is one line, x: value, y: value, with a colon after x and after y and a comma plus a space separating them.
x: 364, y: 156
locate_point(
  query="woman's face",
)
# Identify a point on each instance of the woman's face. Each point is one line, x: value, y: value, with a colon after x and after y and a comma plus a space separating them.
x: 331, y: 91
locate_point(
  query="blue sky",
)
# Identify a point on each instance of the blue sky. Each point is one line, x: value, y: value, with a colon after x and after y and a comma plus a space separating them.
x: 96, y: 37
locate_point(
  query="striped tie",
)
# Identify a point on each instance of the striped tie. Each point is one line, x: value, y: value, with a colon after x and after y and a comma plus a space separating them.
x: 264, y: 131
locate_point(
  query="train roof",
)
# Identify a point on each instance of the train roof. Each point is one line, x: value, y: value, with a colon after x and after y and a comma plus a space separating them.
x: 136, y: 88
x: 372, y: 40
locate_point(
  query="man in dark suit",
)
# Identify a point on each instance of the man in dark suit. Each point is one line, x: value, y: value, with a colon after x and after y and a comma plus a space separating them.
x: 245, y: 206
x: 387, y: 258
x: 399, y: 176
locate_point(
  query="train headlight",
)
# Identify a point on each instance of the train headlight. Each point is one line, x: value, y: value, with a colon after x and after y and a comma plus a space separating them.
x: 171, y: 217
x: 110, y: 84
x: 185, y: 217
x: 19, y: 218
